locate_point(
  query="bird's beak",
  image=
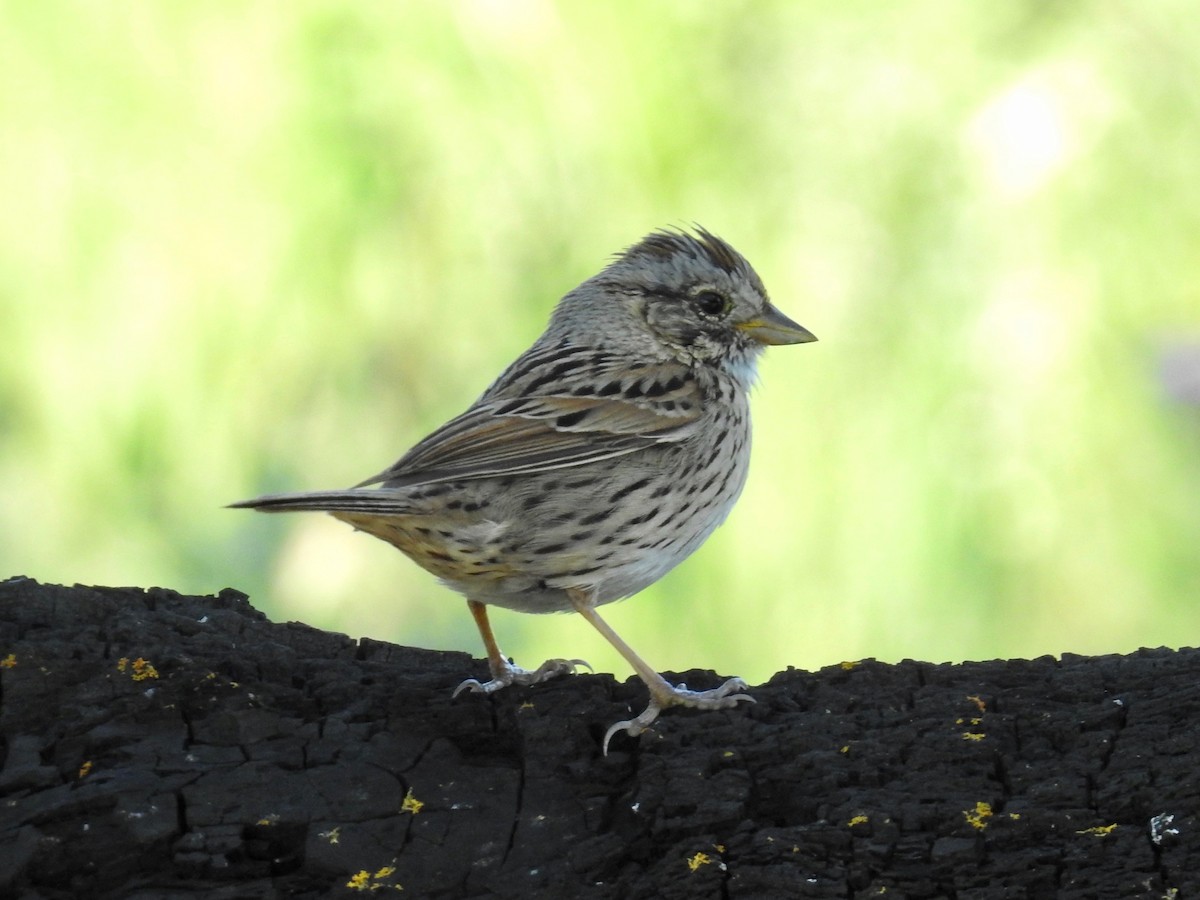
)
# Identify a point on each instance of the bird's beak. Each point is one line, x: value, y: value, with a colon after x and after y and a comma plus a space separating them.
x: 773, y: 327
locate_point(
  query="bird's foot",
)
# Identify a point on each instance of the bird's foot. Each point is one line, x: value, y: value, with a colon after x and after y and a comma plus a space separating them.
x: 508, y: 674
x: 665, y: 695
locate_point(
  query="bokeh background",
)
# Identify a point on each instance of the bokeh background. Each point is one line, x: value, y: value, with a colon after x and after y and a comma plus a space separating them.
x: 251, y: 247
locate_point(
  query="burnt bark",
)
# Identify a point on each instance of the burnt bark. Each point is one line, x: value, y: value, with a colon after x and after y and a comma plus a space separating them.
x: 159, y: 745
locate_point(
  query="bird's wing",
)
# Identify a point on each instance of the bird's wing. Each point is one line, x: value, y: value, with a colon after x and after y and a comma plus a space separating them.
x: 557, y: 408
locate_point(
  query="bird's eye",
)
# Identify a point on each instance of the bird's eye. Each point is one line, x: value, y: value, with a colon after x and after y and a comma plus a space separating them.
x: 710, y: 303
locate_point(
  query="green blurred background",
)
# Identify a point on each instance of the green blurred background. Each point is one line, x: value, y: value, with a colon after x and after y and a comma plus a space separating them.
x: 263, y: 247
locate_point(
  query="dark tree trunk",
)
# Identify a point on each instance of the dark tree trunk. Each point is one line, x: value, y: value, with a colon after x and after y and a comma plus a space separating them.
x: 155, y: 746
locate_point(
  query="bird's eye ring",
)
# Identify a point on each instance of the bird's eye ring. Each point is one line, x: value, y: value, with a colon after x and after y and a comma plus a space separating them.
x: 710, y: 303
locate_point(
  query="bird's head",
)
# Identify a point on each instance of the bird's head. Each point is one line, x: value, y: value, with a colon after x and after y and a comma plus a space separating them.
x: 683, y: 295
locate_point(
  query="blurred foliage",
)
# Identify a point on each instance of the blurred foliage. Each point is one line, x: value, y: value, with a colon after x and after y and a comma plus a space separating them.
x: 257, y: 247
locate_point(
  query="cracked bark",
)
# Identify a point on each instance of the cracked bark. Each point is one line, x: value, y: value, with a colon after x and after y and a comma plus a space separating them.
x: 267, y: 760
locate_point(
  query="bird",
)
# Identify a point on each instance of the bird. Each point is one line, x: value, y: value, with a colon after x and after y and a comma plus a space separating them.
x: 600, y: 459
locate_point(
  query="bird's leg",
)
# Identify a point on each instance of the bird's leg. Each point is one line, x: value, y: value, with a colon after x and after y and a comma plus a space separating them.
x: 663, y: 694
x: 504, y: 672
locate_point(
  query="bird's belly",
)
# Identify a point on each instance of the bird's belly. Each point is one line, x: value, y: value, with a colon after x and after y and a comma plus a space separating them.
x: 610, y: 530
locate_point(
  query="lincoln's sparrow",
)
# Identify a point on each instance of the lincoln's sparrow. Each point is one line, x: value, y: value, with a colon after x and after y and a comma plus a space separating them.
x: 596, y: 462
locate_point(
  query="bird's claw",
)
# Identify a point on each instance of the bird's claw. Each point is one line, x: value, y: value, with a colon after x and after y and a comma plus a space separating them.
x: 724, y: 697
x: 511, y: 674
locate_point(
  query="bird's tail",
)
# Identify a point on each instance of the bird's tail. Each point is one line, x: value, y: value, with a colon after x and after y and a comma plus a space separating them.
x: 352, y: 500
